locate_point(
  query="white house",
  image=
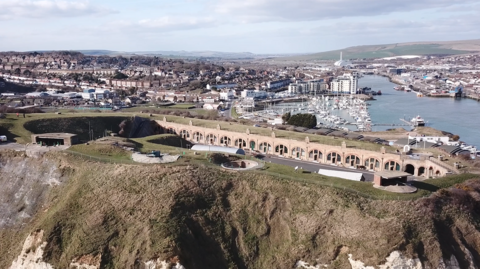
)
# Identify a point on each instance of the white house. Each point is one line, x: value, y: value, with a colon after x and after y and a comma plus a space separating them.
x: 227, y: 94
x: 256, y: 94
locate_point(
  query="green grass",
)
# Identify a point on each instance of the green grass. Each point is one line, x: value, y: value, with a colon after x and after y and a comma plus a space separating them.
x: 364, y: 189
x: 378, y: 51
x: 234, y: 113
x: 161, y: 110
x: 112, y: 153
x: 183, y: 106
x: 15, y: 130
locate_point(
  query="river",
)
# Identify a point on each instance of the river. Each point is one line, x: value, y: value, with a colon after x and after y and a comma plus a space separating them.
x: 458, y: 116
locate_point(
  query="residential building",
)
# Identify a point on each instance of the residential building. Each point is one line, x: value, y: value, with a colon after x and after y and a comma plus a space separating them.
x: 348, y: 83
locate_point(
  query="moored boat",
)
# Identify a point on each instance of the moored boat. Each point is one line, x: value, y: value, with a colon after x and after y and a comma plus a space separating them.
x: 418, y: 121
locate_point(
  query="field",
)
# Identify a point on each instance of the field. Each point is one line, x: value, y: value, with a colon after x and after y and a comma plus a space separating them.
x: 381, y: 51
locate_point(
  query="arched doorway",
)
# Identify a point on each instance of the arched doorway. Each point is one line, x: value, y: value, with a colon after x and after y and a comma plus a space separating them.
x: 225, y: 140
x: 410, y: 169
x: 240, y: 143
x: 392, y: 166
x: 437, y: 173
x: 265, y: 147
x: 430, y: 172
x: 334, y: 158
x: 352, y: 160
x: 298, y: 153
x: 197, y: 137
x: 315, y: 155
x: 252, y: 145
x: 372, y: 164
x: 421, y: 171
x: 211, y: 139
x: 281, y: 149
x: 184, y: 134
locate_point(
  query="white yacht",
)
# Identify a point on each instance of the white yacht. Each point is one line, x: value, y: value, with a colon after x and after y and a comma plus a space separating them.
x: 418, y: 121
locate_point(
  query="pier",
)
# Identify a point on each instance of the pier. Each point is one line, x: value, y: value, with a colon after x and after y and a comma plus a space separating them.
x: 407, y: 122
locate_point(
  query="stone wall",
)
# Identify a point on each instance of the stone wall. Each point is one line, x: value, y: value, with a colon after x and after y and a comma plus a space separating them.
x: 304, y: 150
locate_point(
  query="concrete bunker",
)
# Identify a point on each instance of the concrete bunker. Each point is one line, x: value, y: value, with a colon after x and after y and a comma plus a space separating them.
x: 393, y: 181
x: 54, y: 139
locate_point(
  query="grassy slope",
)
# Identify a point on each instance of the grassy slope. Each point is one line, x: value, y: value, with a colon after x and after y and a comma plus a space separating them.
x: 216, y: 219
x: 379, y: 51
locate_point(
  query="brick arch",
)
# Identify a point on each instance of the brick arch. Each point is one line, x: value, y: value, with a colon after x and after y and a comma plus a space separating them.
x: 315, y: 155
x: 352, y: 160
x: 372, y: 163
x: 265, y: 147
x: 334, y: 157
x: 185, y: 134
x: 422, y: 171
x: 197, y: 137
x: 409, y: 168
x: 240, y: 143
x: 298, y: 152
x: 170, y: 130
x: 281, y: 149
x: 211, y: 139
x: 392, y: 165
x: 225, y: 140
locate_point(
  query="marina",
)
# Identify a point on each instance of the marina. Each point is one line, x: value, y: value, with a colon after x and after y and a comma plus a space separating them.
x: 458, y: 116
x: 392, y: 109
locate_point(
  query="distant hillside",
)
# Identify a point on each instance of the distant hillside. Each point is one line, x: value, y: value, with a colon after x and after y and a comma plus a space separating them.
x: 177, y: 54
x: 390, y: 50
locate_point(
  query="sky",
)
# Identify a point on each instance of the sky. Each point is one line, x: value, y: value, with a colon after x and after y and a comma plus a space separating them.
x: 257, y: 26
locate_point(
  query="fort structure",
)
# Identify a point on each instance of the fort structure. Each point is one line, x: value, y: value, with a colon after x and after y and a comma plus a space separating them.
x: 306, y: 150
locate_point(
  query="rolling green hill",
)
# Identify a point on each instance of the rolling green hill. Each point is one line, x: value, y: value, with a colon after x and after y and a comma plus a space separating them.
x: 390, y: 50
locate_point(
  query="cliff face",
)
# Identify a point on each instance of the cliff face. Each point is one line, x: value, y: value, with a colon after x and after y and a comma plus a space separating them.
x: 127, y: 216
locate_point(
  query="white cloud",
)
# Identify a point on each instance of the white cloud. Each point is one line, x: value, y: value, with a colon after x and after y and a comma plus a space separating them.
x: 12, y: 9
x: 312, y: 10
x: 161, y: 24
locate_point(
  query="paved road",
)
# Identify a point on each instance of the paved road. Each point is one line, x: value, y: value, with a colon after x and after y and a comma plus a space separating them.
x: 311, y: 166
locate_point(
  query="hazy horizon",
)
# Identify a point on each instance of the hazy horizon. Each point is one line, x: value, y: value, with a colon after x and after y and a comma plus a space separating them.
x: 260, y: 27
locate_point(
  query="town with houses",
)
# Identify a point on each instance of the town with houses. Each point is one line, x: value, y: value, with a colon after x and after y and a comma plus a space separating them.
x: 71, y: 78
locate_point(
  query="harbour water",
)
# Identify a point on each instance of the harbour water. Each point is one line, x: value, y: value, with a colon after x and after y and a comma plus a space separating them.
x: 458, y: 116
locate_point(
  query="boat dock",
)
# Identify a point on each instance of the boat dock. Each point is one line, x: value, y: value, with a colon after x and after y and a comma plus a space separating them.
x: 407, y: 123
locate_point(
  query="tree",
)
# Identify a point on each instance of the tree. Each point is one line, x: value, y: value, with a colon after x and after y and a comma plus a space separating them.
x: 455, y: 137
x: 27, y: 72
x: 303, y: 120
x: 286, y: 117
x: 119, y: 75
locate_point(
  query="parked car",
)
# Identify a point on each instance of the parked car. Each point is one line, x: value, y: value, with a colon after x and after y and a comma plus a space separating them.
x: 3, y: 138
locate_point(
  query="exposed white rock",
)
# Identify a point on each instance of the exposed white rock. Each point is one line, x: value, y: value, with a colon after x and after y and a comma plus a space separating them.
x: 449, y: 264
x: 358, y: 264
x: 75, y: 265
x: 395, y: 261
x: 31, y: 256
x: 302, y: 264
x: 159, y: 264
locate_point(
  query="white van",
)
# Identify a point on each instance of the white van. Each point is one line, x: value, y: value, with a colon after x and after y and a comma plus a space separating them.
x: 3, y: 138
